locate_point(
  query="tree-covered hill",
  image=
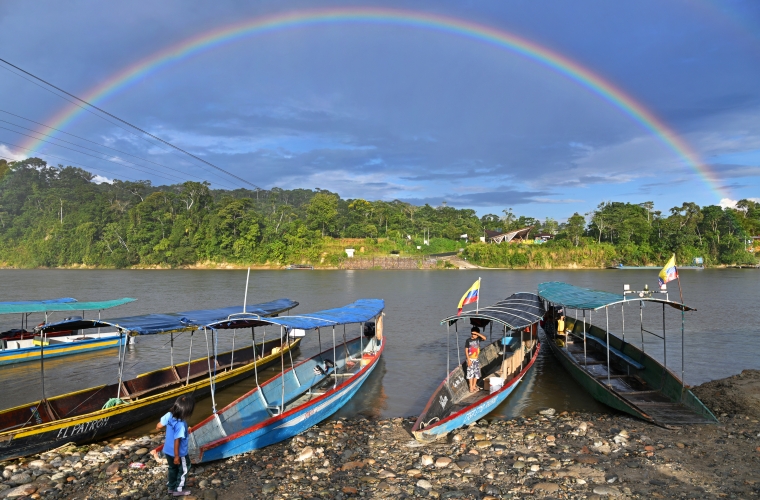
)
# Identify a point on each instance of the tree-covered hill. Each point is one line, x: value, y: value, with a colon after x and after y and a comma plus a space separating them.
x: 56, y: 216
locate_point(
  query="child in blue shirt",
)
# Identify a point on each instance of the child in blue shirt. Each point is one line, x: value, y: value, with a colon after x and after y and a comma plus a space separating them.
x: 175, y: 445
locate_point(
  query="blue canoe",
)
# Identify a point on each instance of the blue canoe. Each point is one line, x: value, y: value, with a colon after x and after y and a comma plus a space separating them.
x: 304, y: 394
x: 504, y: 362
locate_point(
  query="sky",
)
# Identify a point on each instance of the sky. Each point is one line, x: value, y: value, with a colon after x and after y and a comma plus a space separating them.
x: 386, y: 109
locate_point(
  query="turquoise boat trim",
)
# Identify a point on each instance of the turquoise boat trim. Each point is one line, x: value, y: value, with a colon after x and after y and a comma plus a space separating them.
x: 585, y: 299
x: 47, y: 307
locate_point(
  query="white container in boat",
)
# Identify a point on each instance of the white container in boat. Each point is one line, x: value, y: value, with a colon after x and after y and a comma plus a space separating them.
x: 495, y: 384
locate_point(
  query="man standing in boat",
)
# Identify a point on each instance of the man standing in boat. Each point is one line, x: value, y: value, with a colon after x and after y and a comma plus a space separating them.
x: 471, y: 352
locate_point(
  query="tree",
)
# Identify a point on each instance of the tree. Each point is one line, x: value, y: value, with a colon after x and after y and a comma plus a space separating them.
x: 322, y: 211
x: 574, y: 228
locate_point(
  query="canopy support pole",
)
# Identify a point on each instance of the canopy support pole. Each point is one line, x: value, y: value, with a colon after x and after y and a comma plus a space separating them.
x: 490, y: 331
x: 232, y: 359
x: 253, y: 342
x: 122, y: 356
x: 171, y: 349
x: 290, y: 353
x: 585, y: 358
x: 345, y: 348
x: 42, y: 359
x: 335, y: 359
x: 282, y: 368
x: 664, y: 342
x: 641, y: 322
x: 256, y: 364
x: 683, y: 353
x: 622, y: 313
x: 448, y: 350
x: 456, y: 335
x: 607, y: 314
x: 522, y: 349
x: 189, y: 359
x: 208, y: 361
x: 361, y: 342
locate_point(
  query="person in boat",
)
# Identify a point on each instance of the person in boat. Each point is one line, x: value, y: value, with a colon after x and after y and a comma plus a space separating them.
x: 175, y: 444
x: 471, y: 353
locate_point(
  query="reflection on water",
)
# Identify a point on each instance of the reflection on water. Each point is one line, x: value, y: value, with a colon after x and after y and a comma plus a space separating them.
x: 720, y: 340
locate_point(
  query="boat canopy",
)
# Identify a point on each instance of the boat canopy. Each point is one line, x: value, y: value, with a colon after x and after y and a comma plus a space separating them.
x: 574, y: 297
x: 57, y: 305
x: 515, y: 312
x: 151, y: 324
x: 361, y: 311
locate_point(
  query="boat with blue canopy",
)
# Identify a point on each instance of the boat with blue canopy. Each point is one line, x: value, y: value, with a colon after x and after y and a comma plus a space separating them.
x: 608, y: 365
x: 103, y: 410
x: 504, y: 362
x: 21, y: 346
x: 303, y: 394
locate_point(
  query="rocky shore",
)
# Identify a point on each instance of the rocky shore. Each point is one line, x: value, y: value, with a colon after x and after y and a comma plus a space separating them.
x: 551, y: 454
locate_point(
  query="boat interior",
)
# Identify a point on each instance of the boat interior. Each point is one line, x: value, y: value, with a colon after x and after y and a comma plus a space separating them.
x: 633, y: 375
x: 148, y: 384
x: 501, y: 358
x: 295, y: 387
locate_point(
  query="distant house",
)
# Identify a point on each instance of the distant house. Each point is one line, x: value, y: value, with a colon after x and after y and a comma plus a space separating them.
x: 544, y: 236
x: 518, y: 236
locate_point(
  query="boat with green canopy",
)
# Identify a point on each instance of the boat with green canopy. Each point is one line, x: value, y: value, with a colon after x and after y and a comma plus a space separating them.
x: 610, y: 367
x: 16, y: 347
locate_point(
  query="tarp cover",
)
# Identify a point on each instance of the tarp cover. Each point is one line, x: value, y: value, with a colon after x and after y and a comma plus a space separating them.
x: 361, y: 311
x: 575, y: 297
x: 151, y: 324
x: 516, y: 311
x: 55, y: 305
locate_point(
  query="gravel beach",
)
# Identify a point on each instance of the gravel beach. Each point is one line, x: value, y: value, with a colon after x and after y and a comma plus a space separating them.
x: 550, y: 454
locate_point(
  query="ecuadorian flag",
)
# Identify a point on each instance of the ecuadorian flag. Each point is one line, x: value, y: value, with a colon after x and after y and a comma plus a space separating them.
x: 469, y: 296
x: 669, y: 272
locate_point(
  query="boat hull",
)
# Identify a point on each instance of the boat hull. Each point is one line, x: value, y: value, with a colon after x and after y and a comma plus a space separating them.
x: 281, y: 427
x: 667, y: 390
x: 25, y: 354
x: 475, y: 411
x: 101, y: 423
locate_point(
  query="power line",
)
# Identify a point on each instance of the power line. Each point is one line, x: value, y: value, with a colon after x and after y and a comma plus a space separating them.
x: 83, y: 139
x: 84, y: 108
x: 131, y: 125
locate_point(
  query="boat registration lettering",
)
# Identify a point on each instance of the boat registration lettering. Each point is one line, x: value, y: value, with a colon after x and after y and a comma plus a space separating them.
x: 82, y: 428
x: 480, y: 409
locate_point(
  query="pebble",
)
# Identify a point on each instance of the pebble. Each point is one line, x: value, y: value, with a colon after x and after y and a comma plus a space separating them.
x: 607, y: 491
x: 547, y: 487
x: 426, y: 460
x: 424, y: 484
x: 305, y: 454
x: 22, y: 478
x: 442, y: 462
x: 548, y: 412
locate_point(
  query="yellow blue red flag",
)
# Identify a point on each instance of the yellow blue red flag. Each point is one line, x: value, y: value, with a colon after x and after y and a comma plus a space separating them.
x: 469, y: 296
x: 669, y: 272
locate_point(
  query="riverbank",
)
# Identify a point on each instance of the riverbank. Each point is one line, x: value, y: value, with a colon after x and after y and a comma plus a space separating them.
x: 556, y: 454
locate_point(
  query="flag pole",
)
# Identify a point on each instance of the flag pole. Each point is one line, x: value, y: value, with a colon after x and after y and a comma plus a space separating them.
x: 678, y: 278
x: 477, y: 300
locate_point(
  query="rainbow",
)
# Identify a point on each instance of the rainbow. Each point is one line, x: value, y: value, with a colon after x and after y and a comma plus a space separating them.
x: 397, y: 17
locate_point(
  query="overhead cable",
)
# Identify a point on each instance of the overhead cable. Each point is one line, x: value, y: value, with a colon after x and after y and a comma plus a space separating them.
x: 131, y: 125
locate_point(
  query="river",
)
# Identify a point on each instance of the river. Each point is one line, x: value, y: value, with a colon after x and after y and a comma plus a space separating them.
x: 721, y: 336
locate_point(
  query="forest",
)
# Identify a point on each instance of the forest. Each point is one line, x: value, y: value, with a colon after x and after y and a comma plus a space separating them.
x: 56, y: 216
